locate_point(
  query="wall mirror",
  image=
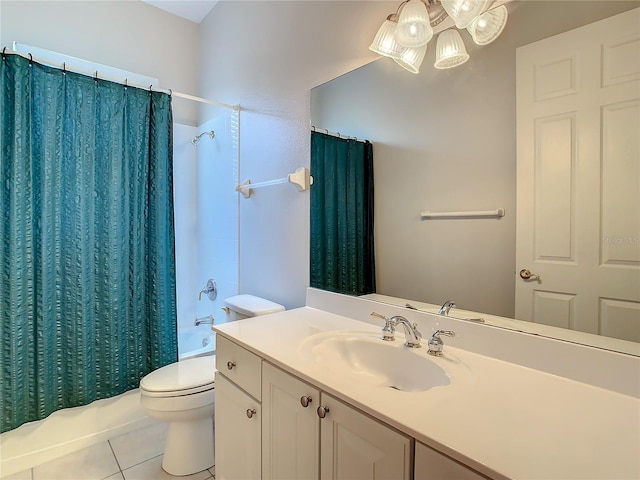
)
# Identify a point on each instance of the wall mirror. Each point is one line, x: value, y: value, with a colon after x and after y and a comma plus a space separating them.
x: 447, y: 141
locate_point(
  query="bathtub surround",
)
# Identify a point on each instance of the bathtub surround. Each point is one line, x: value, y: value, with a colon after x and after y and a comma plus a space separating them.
x: 196, y: 341
x: 136, y: 455
x: 70, y: 430
x: 87, y: 252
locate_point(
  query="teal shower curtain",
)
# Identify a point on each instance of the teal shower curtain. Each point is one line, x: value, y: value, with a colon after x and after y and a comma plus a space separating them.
x: 342, y: 241
x: 87, y: 266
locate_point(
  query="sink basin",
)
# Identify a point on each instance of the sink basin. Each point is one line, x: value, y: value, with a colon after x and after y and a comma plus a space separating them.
x: 366, y: 358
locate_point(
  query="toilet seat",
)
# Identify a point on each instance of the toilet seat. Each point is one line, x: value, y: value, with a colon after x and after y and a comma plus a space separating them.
x: 186, y: 377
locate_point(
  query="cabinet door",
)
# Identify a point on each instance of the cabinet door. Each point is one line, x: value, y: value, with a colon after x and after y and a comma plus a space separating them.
x: 237, y: 432
x: 290, y: 431
x: 357, y: 447
x: 432, y: 465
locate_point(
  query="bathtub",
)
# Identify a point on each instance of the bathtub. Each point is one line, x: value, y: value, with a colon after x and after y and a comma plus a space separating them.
x: 69, y: 430
x: 72, y: 429
x: 196, y: 342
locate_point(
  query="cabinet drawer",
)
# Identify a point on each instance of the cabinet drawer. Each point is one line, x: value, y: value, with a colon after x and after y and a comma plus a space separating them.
x: 239, y: 365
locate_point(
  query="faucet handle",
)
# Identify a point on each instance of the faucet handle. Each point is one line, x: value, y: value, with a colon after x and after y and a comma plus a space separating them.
x: 436, y: 344
x: 389, y: 329
x: 446, y: 333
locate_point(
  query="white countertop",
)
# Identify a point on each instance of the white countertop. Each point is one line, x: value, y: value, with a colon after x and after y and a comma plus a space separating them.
x: 502, y: 419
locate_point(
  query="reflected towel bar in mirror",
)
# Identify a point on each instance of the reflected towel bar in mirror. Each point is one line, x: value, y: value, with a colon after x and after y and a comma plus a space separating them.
x: 478, y: 213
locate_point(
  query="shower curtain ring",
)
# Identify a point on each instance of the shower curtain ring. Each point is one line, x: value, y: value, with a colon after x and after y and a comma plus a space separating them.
x: 64, y: 67
x: 4, y: 52
x: 95, y: 78
x: 30, y: 59
x: 170, y: 92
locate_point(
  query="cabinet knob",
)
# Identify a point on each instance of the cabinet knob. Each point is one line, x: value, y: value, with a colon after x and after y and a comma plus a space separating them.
x: 251, y: 412
x: 305, y: 400
x: 322, y: 411
x: 231, y: 364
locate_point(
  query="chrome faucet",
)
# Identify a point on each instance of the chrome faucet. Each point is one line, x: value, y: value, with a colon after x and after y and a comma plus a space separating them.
x: 436, y: 344
x: 446, y: 307
x: 201, y: 320
x: 411, y: 332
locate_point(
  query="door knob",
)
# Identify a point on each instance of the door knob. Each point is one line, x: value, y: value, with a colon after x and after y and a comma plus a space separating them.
x: 231, y: 364
x: 526, y: 274
x: 305, y: 400
x: 251, y: 412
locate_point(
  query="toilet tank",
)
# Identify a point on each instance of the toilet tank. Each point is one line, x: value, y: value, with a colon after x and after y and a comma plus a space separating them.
x: 245, y: 306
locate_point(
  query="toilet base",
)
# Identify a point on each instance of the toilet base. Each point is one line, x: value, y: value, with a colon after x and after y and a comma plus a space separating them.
x: 189, y: 447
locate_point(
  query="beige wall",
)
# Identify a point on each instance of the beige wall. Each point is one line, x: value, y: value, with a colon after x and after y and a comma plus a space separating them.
x: 129, y: 35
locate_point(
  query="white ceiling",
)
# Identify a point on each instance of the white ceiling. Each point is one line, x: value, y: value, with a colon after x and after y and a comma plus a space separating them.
x: 194, y: 10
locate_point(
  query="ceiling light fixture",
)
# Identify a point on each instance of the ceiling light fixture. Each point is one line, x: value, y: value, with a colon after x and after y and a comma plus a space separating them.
x: 404, y: 35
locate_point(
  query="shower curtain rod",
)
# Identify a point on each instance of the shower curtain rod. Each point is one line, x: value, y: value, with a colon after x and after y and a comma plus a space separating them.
x: 335, y: 134
x: 71, y: 68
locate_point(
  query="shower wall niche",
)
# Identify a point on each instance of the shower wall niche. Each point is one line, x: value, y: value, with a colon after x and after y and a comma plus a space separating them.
x: 206, y: 224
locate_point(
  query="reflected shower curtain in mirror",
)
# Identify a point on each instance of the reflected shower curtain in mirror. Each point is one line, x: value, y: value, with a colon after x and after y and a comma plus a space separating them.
x: 342, y: 248
x: 87, y: 266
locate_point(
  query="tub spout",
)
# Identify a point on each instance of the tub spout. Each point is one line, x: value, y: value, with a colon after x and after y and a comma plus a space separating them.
x: 201, y: 320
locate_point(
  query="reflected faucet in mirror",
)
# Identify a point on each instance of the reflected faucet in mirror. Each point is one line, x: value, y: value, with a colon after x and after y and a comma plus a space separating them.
x: 446, y: 307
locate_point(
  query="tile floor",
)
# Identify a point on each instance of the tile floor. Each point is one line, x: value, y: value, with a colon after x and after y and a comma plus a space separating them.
x: 135, y: 455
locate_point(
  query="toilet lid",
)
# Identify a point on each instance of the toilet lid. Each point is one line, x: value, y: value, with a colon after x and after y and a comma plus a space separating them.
x: 187, y: 376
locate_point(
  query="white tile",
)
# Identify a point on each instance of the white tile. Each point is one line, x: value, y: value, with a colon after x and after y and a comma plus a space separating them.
x: 152, y: 470
x: 115, y: 476
x: 93, y: 463
x: 24, y: 475
x: 140, y: 445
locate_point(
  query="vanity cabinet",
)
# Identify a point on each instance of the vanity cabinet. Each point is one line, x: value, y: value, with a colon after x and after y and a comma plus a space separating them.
x: 238, y: 412
x: 269, y: 424
x: 432, y: 465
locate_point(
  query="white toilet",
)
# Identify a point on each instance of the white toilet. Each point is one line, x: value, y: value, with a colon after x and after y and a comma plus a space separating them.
x: 182, y: 394
x: 245, y: 306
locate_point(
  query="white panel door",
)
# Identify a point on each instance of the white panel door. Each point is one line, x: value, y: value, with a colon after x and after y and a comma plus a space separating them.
x: 237, y: 432
x: 578, y: 179
x: 357, y: 447
x: 290, y: 427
